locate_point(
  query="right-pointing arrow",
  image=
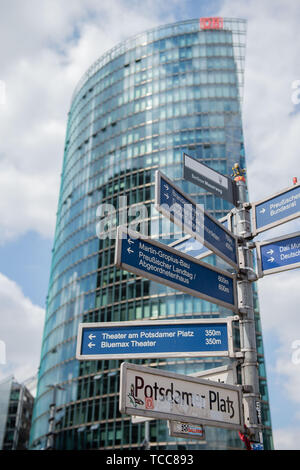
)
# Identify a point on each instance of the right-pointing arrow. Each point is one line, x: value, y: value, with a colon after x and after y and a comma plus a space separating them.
x: 262, y: 211
x: 271, y: 259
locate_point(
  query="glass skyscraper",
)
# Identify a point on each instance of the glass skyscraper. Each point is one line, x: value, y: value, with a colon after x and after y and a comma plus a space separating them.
x: 177, y: 88
x: 16, y: 405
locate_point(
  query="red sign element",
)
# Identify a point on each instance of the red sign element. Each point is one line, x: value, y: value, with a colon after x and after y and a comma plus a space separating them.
x: 149, y: 403
x: 211, y: 23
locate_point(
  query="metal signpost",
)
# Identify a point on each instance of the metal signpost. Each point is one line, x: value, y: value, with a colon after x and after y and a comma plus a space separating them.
x: 211, y: 180
x: 161, y: 263
x: 278, y: 254
x: 249, y: 367
x: 191, y: 218
x: 145, y: 391
x: 277, y: 209
x: 156, y: 339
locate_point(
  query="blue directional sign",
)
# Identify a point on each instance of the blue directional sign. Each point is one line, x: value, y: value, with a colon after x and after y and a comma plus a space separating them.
x: 163, y: 264
x: 279, y: 254
x: 276, y: 209
x: 183, y: 211
x: 192, y: 247
x: 143, y: 339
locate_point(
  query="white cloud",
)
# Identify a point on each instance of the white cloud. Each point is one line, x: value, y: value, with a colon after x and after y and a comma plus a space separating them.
x: 44, y: 55
x: 21, y: 331
x: 279, y: 302
x: 287, y: 438
x: 271, y: 133
x: 279, y: 308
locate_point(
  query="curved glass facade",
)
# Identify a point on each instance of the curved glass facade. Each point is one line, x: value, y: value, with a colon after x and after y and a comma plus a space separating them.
x: 172, y: 89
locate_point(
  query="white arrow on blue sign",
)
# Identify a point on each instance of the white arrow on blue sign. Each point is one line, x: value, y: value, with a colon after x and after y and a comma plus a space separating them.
x: 174, y: 204
x: 163, y: 264
x: 276, y: 209
x: 278, y: 254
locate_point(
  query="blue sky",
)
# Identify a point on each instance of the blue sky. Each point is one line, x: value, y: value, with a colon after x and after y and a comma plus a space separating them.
x: 43, y: 56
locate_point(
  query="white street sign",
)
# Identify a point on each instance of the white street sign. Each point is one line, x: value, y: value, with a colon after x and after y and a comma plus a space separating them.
x: 145, y: 391
x: 222, y: 374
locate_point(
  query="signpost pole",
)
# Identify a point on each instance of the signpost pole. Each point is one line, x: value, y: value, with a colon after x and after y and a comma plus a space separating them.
x: 147, y: 436
x: 250, y: 380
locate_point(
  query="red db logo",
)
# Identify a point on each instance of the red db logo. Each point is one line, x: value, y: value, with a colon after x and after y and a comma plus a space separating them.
x: 211, y: 23
x: 149, y: 403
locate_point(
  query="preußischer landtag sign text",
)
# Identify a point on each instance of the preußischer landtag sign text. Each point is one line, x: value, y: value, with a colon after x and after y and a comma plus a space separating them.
x: 160, y: 394
x: 161, y: 263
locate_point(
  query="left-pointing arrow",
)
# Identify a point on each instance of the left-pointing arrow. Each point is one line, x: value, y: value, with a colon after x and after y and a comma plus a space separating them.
x: 91, y: 345
x: 130, y: 250
x: 91, y: 336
